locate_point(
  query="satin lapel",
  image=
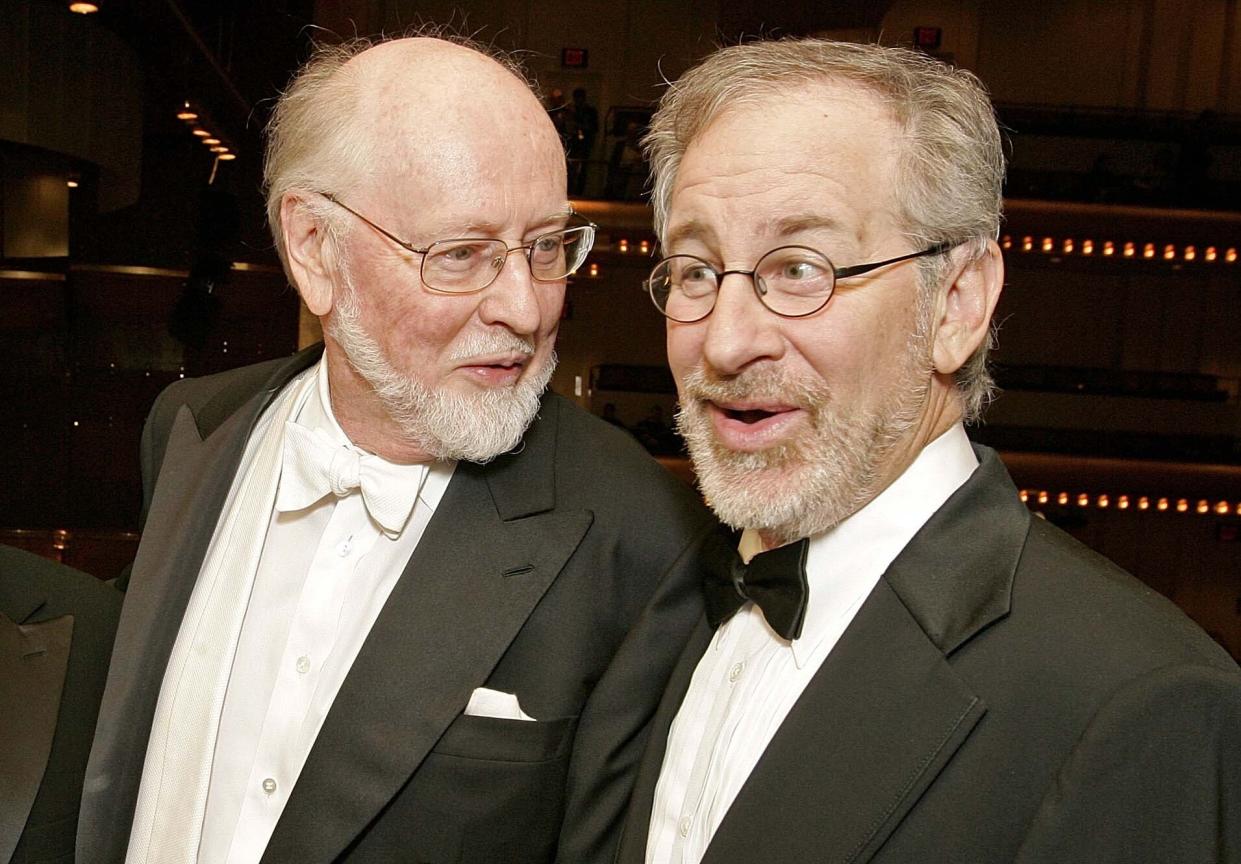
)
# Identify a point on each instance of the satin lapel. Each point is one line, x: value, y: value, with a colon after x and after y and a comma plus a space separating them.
x: 880, y: 719
x: 632, y: 849
x: 193, y: 484
x: 33, y: 660
x: 466, y: 592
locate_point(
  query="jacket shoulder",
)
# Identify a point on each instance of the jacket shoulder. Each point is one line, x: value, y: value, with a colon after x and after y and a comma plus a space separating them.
x: 1105, y: 611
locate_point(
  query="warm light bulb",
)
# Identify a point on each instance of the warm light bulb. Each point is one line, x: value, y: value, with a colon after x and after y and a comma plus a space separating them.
x: 187, y: 113
x: 1087, y: 247
x: 72, y: 184
x: 227, y: 157
x: 211, y: 142
x: 202, y: 133
x: 83, y: 8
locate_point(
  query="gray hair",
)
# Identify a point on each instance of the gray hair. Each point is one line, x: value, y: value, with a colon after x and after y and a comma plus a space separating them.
x: 949, y: 174
x: 313, y: 138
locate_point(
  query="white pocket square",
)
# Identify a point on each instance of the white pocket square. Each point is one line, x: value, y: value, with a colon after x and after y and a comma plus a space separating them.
x: 494, y: 703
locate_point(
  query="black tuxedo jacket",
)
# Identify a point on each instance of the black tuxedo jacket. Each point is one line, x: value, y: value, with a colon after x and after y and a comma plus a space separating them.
x: 565, y: 573
x: 1004, y: 694
x: 56, y: 629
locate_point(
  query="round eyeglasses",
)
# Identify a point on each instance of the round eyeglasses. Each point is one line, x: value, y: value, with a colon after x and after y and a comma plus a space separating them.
x: 791, y: 281
x: 470, y: 264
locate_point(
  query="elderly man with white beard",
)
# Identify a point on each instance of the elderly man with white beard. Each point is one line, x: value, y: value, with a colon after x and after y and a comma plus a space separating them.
x: 394, y: 602
x: 898, y: 664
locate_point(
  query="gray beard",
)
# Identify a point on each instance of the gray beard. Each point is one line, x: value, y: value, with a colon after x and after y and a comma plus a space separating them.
x: 474, y: 427
x: 810, y: 483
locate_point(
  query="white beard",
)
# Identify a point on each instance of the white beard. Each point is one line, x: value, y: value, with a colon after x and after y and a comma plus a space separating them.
x: 810, y: 483
x: 442, y: 423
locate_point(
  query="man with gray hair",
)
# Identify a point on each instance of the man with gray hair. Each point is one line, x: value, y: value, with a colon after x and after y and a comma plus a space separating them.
x: 907, y: 667
x: 393, y: 602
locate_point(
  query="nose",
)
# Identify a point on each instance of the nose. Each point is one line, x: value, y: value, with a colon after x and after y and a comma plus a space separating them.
x: 740, y: 330
x: 514, y: 299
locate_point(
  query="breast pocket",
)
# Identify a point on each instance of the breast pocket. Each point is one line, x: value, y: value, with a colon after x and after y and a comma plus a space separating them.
x: 502, y: 740
x: 491, y: 790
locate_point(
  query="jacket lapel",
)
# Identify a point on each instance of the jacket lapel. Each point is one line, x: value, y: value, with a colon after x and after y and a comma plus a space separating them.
x: 883, y: 715
x: 33, y: 660
x: 886, y: 711
x: 632, y: 848
x: 494, y: 546
x: 194, y: 480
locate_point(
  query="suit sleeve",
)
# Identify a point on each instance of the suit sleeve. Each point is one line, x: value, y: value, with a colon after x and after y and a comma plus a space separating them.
x: 613, y: 727
x: 1155, y: 777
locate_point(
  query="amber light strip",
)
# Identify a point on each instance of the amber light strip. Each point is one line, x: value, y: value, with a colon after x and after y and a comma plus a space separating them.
x: 1086, y: 247
x: 1106, y: 501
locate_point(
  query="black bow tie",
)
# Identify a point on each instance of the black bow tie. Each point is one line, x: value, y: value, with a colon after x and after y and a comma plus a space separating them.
x: 775, y: 580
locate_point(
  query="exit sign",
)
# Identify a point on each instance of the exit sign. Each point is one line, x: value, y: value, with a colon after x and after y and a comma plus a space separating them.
x: 928, y: 38
x: 574, y: 58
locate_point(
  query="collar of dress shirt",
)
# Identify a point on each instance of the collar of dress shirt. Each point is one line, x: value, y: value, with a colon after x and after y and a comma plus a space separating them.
x: 844, y: 562
x: 317, y: 413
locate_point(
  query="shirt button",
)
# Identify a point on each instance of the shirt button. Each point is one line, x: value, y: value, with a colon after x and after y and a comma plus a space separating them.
x: 269, y: 785
x: 683, y: 826
x: 344, y: 548
x: 735, y: 672
x: 303, y: 665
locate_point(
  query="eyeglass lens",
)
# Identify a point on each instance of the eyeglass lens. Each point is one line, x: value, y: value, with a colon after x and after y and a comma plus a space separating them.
x: 791, y: 280
x: 470, y: 265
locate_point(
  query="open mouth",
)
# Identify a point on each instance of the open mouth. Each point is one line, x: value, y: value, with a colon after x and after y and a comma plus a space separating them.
x: 748, y: 415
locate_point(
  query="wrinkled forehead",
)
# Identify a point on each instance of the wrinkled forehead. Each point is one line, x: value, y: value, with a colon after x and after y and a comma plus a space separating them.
x: 825, y: 150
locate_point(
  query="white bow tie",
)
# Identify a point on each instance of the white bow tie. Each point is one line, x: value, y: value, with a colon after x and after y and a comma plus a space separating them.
x: 314, y: 466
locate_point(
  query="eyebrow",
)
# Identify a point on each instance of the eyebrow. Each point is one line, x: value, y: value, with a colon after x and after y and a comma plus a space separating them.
x: 483, y: 228
x: 783, y: 227
x: 691, y: 230
x: 799, y: 222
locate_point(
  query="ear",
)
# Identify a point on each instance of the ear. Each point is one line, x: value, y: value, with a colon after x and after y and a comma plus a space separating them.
x: 966, y: 309
x: 309, y: 254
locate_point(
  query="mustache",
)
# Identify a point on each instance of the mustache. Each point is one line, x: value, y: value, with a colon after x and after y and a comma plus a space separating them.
x: 770, y: 382
x: 497, y: 342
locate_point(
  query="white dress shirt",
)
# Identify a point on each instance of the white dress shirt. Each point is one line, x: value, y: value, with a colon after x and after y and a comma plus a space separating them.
x: 326, y: 570
x: 749, y: 677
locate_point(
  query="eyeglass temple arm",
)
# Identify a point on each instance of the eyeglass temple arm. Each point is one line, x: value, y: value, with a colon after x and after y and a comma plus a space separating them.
x: 859, y: 269
x: 404, y: 244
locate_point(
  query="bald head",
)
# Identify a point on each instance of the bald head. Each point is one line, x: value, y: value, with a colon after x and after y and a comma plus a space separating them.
x: 358, y: 117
